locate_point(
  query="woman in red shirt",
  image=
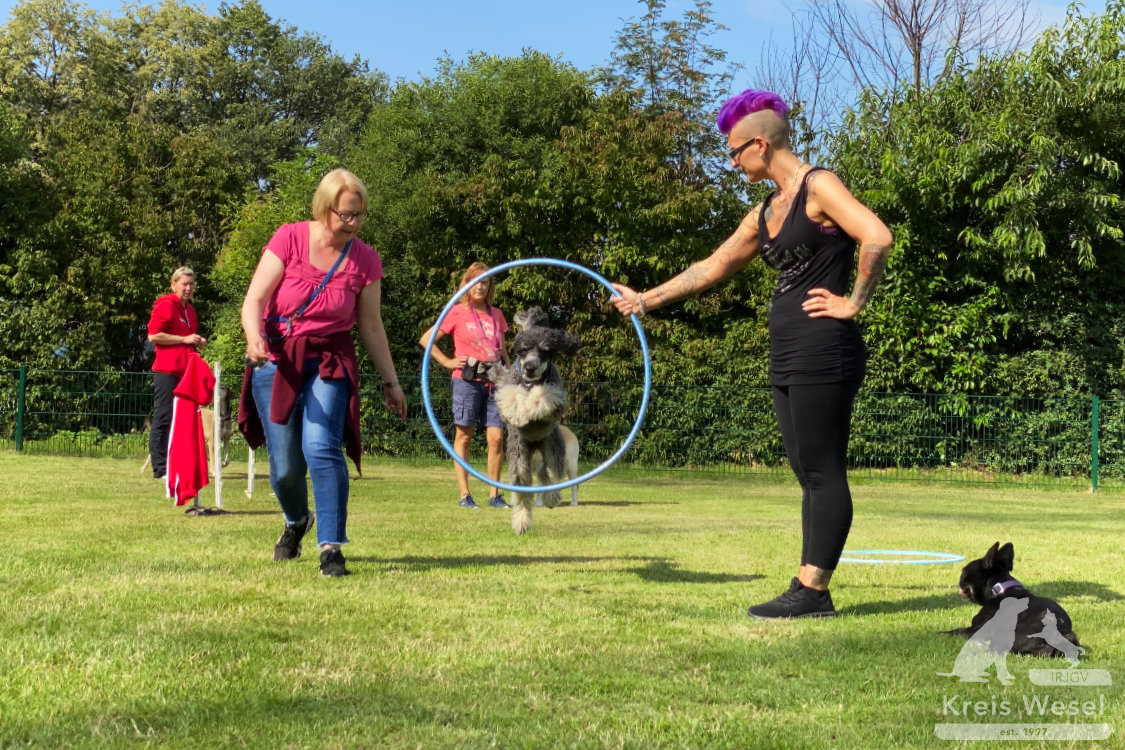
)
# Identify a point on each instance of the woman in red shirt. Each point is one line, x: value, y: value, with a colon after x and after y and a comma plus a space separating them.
x: 173, y: 329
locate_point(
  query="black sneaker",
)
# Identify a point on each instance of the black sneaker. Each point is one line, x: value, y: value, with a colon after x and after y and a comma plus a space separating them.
x: 798, y: 601
x: 332, y: 563
x: 288, y: 545
x: 497, y: 501
x: 468, y: 502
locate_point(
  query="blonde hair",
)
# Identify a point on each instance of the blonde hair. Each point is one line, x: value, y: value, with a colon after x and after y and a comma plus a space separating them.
x: 329, y: 189
x: 182, y: 271
x: 474, y: 270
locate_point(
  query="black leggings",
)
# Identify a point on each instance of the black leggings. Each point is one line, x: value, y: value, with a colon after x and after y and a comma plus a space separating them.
x: 158, y: 432
x: 815, y: 422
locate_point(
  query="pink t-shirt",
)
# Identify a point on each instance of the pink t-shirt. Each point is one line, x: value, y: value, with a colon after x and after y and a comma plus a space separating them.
x: 469, y: 340
x: 334, y: 309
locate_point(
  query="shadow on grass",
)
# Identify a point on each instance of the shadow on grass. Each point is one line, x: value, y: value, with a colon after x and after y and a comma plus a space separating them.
x: 1060, y: 590
x: 453, y: 563
x: 654, y: 569
x: 618, y: 503
x: 663, y: 571
x: 914, y: 604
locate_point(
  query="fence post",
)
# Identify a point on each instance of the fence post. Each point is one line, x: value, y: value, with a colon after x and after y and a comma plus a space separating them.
x: 216, y: 433
x: 1094, y: 420
x: 21, y: 400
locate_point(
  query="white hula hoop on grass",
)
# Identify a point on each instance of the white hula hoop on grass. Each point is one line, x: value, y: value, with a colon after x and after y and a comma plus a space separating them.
x: 426, y: 378
x: 892, y: 557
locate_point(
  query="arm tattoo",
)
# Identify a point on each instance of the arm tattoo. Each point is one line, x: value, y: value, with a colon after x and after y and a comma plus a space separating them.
x: 684, y: 285
x: 706, y: 273
x: 872, y: 263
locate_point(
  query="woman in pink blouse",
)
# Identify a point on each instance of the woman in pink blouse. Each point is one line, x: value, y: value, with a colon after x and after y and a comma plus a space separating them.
x: 315, y: 281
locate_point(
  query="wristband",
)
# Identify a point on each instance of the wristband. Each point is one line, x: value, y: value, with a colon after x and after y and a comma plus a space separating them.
x: 641, y: 304
x: 391, y: 384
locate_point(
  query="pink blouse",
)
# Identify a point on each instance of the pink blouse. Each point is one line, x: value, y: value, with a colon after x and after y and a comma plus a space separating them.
x: 334, y: 309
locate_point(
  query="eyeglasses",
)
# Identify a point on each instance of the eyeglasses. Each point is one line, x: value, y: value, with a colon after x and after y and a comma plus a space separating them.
x: 348, y: 217
x: 734, y: 152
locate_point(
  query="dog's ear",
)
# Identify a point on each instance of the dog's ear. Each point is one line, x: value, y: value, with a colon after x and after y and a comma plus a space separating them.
x: 532, y: 316
x: 990, y: 556
x: 568, y: 343
x: 1006, y: 557
x: 561, y: 341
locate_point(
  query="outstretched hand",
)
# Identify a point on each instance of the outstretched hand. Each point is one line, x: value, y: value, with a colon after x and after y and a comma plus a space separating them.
x: 821, y: 303
x: 626, y: 304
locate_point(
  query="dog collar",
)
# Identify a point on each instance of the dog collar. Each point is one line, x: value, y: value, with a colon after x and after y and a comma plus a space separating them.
x: 998, y: 589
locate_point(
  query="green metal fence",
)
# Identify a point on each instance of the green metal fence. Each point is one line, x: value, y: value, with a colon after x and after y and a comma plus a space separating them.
x: 1073, y: 442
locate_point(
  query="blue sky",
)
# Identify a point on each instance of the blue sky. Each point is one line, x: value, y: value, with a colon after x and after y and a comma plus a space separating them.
x: 405, y: 38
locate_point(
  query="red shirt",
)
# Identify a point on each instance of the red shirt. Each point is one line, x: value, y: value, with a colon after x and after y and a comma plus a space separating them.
x: 170, y: 316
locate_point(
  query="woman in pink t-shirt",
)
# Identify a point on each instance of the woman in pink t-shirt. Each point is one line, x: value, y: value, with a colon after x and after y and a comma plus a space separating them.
x: 478, y: 331
x: 314, y: 282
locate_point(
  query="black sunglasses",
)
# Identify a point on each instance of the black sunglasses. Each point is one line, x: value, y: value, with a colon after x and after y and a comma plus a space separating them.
x: 734, y: 152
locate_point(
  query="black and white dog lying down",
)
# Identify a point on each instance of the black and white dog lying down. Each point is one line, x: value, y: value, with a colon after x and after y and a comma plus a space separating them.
x: 531, y: 399
x: 1037, y: 625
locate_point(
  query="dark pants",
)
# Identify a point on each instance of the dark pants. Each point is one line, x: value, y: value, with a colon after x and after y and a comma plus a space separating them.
x: 815, y: 422
x: 163, y: 385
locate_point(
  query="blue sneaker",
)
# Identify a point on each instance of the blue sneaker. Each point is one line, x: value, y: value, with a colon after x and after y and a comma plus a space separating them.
x: 497, y: 501
x: 467, y: 502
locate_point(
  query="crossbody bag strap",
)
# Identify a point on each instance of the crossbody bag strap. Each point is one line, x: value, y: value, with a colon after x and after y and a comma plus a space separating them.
x: 324, y: 281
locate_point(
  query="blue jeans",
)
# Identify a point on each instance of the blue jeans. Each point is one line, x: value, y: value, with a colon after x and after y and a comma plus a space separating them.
x: 310, y: 442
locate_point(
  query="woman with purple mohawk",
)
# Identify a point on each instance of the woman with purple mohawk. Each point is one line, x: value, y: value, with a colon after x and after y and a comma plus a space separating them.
x: 807, y: 230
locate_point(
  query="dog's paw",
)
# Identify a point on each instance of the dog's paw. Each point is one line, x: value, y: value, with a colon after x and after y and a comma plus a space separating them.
x: 521, y: 517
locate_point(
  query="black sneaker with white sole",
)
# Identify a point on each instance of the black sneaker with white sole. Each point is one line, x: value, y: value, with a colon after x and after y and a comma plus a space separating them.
x: 798, y: 601
x: 332, y: 562
x: 288, y: 545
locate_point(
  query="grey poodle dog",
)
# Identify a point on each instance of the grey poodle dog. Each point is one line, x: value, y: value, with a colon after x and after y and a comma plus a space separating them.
x: 531, y: 399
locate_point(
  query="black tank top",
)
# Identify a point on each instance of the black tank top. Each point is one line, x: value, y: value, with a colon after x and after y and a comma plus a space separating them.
x: 807, y: 255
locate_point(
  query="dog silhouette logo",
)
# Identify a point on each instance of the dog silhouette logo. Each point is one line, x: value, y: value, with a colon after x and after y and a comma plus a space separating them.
x: 1054, y: 638
x: 990, y: 645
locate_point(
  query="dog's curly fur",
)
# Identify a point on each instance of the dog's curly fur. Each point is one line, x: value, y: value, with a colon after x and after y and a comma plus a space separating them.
x: 531, y: 399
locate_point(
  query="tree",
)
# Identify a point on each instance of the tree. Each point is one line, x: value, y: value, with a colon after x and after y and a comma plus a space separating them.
x: 841, y: 49
x: 145, y: 130
x: 920, y: 41
x: 499, y: 159
x: 670, y: 68
x: 1003, y: 187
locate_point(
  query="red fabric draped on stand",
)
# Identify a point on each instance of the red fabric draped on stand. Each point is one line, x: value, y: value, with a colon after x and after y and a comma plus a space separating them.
x: 187, y: 451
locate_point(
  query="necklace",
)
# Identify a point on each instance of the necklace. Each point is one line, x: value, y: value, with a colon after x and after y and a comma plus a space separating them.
x: 793, y: 179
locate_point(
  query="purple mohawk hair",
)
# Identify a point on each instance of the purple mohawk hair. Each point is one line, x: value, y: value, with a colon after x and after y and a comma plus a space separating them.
x: 748, y: 102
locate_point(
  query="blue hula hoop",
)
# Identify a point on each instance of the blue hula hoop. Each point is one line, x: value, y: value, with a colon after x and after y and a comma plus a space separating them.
x: 920, y: 557
x: 426, y: 378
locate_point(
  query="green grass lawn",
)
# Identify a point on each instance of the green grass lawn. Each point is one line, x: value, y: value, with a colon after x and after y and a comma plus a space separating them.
x: 619, y: 623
